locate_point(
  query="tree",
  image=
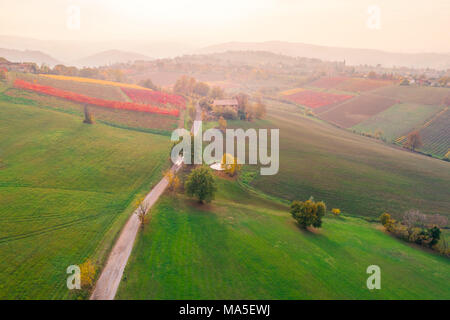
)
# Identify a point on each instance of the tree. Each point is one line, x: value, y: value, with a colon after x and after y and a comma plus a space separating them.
x: 434, y: 235
x: 201, y: 88
x: 201, y: 184
x: 308, y: 213
x: 404, y: 82
x: 88, y: 117
x: 222, y: 123
x: 230, y: 165
x: 3, y: 74
x: 173, y: 180
x: 243, y: 105
x: 414, y: 219
x: 385, y: 218
x: 413, y: 140
x: 216, y: 92
x: 184, y: 85
x: 372, y: 75
x: 260, y: 109
x: 142, y: 210
x: 148, y: 83
x: 87, y: 273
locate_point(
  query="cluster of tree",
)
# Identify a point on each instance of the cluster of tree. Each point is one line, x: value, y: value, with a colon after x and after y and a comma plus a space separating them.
x: 308, y: 213
x: 102, y: 73
x: 249, y: 111
x: 148, y: 83
x: 418, y: 228
x: 191, y: 87
x: 383, y: 76
x: 2, y: 74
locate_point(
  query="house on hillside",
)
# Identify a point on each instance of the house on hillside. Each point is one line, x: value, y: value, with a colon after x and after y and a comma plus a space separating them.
x: 225, y: 103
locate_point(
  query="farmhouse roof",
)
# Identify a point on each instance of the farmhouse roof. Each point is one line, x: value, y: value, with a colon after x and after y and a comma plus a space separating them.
x: 225, y: 102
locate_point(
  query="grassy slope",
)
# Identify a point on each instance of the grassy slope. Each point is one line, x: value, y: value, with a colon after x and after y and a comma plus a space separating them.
x: 357, y: 174
x: 245, y: 247
x: 398, y: 119
x: 65, y: 191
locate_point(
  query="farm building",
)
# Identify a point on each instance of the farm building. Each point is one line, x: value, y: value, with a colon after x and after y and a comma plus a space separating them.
x: 225, y: 103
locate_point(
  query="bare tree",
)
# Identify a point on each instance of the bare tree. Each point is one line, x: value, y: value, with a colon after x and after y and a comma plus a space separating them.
x: 414, y: 219
x: 141, y: 211
x: 437, y: 220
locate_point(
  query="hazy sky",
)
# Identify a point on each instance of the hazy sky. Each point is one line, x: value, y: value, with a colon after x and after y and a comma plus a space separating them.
x: 403, y: 25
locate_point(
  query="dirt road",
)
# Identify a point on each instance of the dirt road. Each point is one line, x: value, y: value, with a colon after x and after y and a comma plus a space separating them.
x: 109, y: 280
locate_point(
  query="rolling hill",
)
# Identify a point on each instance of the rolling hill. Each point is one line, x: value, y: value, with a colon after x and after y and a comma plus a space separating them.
x: 28, y: 56
x: 66, y: 189
x: 351, y: 55
x: 110, y: 57
x: 244, y: 246
x: 359, y: 175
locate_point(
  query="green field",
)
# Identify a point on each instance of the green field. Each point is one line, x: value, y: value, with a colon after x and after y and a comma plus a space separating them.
x: 66, y: 189
x: 243, y: 246
x: 398, y: 120
x: 141, y: 121
x: 359, y: 175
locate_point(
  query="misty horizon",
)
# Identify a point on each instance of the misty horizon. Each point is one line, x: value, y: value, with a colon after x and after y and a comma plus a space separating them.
x: 400, y: 27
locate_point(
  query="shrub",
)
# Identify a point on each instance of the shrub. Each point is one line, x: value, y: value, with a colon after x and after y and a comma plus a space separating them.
x: 308, y: 213
x: 173, y: 180
x: 385, y: 218
x: 88, y: 271
x: 336, y: 212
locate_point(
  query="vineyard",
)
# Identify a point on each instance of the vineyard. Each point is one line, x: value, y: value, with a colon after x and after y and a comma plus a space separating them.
x: 398, y: 120
x: 95, y: 81
x: 313, y: 99
x: 357, y: 110
x: 350, y: 84
x: 95, y: 90
x: 154, y: 97
x: 436, y: 135
x: 328, y: 82
x: 91, y: 100
x: 413, y: 94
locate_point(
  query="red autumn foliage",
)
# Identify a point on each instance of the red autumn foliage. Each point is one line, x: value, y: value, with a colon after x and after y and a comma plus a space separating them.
x: 93, y: 101
x: 158, y: 97
x: 315, y: 99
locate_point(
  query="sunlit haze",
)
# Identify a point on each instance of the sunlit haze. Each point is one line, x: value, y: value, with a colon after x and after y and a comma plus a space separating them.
x: 404, y: 25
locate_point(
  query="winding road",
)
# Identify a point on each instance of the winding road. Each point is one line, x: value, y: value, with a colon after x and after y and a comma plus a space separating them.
x: 109, y: 280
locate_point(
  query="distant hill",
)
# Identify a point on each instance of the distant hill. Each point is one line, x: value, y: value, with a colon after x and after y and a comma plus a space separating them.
x: 351, y: 55
x: 28, y: 56
x: 110, y: 57
x: 72, y: 50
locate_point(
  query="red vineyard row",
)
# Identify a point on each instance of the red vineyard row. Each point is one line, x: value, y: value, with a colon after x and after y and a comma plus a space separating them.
x: 146, y: 96
x: 51, y: 91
